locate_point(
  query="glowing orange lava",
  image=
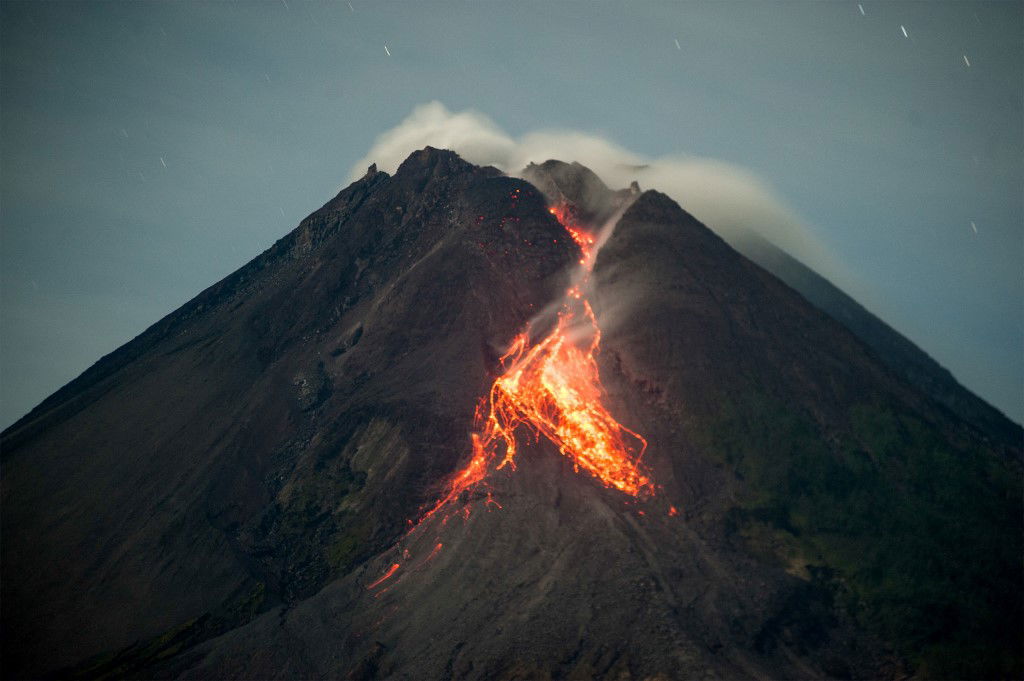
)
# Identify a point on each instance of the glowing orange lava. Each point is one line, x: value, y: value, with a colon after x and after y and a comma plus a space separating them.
x: 566, y: 217
x: 553, y: 388
x: 387, y: 575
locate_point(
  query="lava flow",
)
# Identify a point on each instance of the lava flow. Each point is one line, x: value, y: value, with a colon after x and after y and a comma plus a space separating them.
x: 553, y: 388
x: 566, y: 217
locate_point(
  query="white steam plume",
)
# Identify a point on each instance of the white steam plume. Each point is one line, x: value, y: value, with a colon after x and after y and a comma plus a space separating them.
x: 727, y: 198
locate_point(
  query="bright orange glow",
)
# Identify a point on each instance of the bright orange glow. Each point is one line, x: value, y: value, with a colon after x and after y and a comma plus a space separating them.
x: 387, y: 575
x: 436, y: 550
x: 468, y: 477
x: 566, y: 216
x: 672, y: 511
x: 553, y: 388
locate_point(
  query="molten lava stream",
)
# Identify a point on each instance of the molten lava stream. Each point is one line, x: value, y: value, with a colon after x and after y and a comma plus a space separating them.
x: 553, y: 388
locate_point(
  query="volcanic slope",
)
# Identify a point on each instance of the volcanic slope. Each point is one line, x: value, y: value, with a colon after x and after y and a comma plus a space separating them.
x: 577, y: 185
x: 895, y: 350
x: 277, y: 430
x: 234, y: 493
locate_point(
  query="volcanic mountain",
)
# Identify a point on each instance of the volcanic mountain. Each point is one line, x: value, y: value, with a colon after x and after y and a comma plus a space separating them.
x: 462, y: 425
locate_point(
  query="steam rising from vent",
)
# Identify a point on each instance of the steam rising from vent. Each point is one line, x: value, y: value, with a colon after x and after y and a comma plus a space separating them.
x: 730, y: 200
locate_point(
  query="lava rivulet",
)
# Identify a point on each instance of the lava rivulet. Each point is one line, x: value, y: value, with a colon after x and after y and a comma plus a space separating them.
x: 566, y: 217
x: 552, y: 387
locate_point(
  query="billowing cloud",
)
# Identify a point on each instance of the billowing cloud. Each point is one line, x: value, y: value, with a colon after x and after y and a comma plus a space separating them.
x: 470, y: 134
x: 729, y: 199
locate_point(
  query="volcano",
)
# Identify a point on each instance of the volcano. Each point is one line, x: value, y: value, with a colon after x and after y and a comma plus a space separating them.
x: 462, y: 425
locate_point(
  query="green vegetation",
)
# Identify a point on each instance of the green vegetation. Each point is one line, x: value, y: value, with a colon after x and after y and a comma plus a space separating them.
x: 926, y: 536
x: 351, y: 544
x: 313, y: 541
x: 314, y: 538
x: 341, y: 553
x: 128, y: 662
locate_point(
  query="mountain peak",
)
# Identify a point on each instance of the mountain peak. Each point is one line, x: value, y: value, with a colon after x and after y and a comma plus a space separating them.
x: 246, y: 490
x: 576, y: 186
x: 433, y: 159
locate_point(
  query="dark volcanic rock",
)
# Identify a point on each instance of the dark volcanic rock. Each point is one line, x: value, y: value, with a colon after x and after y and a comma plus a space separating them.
x: 896, y: 351
x: 579, y: 187
x: 230, y: 450
x: 221, y: 497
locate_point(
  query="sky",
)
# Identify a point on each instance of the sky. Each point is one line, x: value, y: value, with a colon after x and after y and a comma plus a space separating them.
x: 149, y: 149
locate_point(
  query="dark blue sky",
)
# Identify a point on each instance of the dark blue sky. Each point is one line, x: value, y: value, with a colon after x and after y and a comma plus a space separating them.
x: 149, y: 149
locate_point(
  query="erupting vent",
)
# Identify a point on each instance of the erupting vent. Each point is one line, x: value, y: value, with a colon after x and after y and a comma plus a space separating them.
x: 552, y: 388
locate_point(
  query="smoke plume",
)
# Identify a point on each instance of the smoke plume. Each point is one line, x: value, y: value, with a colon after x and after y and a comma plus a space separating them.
x: 729, y: 199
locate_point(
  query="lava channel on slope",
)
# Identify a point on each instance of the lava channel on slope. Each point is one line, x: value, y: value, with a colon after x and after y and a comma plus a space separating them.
x: 552, y: 388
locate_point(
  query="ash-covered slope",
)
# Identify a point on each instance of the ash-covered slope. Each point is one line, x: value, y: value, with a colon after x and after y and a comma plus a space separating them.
x: 228, y: 495
x: 577, y: 185
x: 895, y: 350
x: 278, y: 429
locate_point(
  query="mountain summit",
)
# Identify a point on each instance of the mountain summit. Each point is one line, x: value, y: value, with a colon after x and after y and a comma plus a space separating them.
x: 305, y: 471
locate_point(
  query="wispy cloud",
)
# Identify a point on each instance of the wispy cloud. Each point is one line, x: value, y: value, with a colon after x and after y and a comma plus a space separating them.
x: 731, y: 200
